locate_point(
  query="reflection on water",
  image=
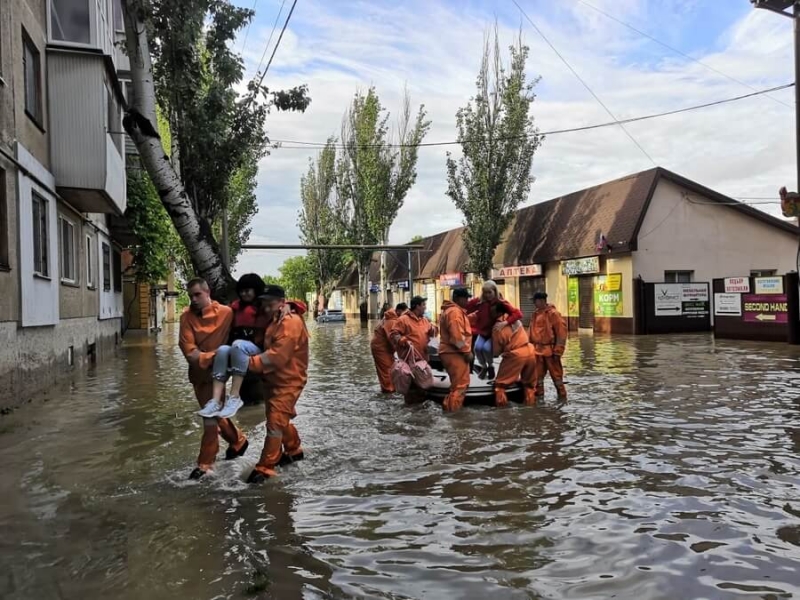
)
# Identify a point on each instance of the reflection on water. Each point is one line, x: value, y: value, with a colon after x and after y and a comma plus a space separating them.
x: 673, y: 473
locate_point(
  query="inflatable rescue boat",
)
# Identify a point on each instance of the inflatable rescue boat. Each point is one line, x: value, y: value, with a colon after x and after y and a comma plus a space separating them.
x: 480, y: 391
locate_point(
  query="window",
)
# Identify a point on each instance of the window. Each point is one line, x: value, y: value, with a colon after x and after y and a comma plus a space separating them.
x: 69, y: 21
x: 40, y: 240
x: 119, y: 24
x: 32, y: 70
x: 3, y: 221
x: 763, y: 273
x: 66, y: 231
x: 106, y: 268
x: 678, y: 276
x: 90, y: 262
x: 117, y: 271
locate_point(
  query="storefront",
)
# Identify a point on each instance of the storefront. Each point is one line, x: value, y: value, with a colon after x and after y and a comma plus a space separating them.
x: 445, y: 286
x: 520, y: 283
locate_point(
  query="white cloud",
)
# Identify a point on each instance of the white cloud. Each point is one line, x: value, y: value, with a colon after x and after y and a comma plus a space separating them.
x: 741, y: 149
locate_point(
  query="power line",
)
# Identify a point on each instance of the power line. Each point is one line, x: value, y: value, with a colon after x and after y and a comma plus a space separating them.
x: 278, y: 43
x: 247, y: 31
x: 586, y: 85
x: 675, y: 50
x: 271, y: 33
x: 303, y: 145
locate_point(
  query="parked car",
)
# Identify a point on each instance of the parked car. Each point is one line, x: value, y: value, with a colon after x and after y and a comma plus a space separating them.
x: 331, y: 316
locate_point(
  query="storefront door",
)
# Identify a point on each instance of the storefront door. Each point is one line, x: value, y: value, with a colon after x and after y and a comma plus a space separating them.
x: 528, y: 286
x: 586, y: 302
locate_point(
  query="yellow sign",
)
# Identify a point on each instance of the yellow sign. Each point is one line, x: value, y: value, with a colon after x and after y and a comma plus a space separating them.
x: 614, y: 282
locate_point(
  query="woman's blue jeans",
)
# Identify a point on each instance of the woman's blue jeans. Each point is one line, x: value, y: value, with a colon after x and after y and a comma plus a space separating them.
x: 233, y: 359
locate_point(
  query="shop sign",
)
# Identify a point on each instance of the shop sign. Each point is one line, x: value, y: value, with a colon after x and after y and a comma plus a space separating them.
x: 608, y: 296
x: 728, y: 305
x: 402, y: 285
x: 737, y: 285
x: 451, y: 279
x: 573, y: 303
x: 681, y: 300
x: 765, y: 308
x: 769, y: 285
x: 374, y: 288
x: 519, y: 271
x: 581, y: 266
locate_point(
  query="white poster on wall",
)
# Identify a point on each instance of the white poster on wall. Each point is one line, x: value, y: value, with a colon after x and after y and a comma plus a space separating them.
x: 737, y: 285
x: 728, y: 305
x: 769, y: 285
x: 668, y: 299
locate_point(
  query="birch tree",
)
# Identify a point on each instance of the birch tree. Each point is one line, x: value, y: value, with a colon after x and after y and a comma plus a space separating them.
x: 218, y: 133
x: 374, y: 174
x: 322, y: 221
x: 498, y: 140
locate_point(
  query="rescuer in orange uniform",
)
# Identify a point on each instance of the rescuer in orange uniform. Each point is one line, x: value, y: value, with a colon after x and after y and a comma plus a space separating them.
x: 205, y: 326
x: 413, y: 330
x: 548, y: 334
x: 284, y: 368
x: 455, y: 347
x: 518, y: 359
x: 383, y: 349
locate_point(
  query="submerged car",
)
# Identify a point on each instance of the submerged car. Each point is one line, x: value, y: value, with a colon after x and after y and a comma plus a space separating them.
x: 331, y: 316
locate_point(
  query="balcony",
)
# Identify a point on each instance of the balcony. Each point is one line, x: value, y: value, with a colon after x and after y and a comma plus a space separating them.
x: 87, y: 143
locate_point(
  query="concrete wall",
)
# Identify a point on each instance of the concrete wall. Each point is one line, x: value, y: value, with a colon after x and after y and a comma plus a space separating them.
x: 34, y: 359
x: 79, y: 299
x: 9, y: 274
x: 39, y: 294
x: 680, y: 234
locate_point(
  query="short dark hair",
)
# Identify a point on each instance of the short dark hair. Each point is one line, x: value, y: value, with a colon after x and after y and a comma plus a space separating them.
x: 198, y: 281
x: 461, y: 293
x: 540, y: 296
x: 416, y: 301
x: 401, y: 306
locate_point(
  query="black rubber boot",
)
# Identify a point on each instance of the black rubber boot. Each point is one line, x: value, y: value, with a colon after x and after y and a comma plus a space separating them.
x: 256, y: 477
x: 231, y: 454
x: 482, y: 372
x: 287, y: 460
x: 196, y: 474
x: 492, y: 375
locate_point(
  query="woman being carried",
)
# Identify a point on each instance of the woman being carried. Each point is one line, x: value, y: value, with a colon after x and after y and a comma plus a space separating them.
x: 483, y: 323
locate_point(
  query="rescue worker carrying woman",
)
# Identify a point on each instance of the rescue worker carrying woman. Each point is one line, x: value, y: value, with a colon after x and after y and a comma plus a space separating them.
x: 518, y: 360
x: 383, y: 349
x: 455, y: 347
x: 413, y: 330
x: 484, y: 323
x: 548, y: 334
x: 284, y: 368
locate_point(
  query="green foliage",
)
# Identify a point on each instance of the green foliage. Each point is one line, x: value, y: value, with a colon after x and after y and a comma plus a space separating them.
x: 297, y: 277
x: 319, y: 221
x: 219, y: 136
x: 272, y: 280
x: 372, y: 177
x: 417, y: 239
x: 498, y: 140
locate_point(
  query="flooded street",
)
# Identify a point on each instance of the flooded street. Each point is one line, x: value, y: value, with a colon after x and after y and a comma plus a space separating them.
x: 674, y: 473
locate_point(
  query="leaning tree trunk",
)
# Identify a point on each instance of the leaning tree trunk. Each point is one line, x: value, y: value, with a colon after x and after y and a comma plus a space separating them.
x: 382, y: 297
x: 141, y: 125
x: 363, y: 290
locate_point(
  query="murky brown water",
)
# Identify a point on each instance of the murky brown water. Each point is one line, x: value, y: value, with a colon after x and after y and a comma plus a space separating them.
x: 673, y: 473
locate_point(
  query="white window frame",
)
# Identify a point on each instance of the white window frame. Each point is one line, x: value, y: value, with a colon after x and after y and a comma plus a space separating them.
x: 763, y: 272
x: 107, y: 283
x: 43, y: 227
x: 62, y: 220
x: 92, y: 27
x: 676, y: 276
x: 28, y: 44
x: 90, y: 268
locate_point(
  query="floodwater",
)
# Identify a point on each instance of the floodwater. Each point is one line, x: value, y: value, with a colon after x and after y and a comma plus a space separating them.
x: 674, y: 473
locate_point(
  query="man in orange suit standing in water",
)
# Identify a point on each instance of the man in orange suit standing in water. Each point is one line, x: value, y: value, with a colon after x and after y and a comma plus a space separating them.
x: 284, y: 368
x: 548, y: 334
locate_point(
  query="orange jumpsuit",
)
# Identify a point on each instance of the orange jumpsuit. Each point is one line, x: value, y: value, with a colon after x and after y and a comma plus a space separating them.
x: 518, y: 364
x: 285, y: 375
x: 206, y: 333
x: 454, y: 348
x: 548, y: 334
x: 411, y: 330
x: 383, y: 351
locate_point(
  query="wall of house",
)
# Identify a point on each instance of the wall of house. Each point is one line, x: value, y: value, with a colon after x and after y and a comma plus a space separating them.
x: 78, y: 298
x: 110, y: 300
x: 9, y: 274
x: 709, y: 239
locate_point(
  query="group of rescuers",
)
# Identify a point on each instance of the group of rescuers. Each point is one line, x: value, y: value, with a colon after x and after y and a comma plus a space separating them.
x: 264, y: 334
x: 476, y: 328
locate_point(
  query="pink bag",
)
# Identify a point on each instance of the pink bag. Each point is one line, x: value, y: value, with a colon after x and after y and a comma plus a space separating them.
x: 420, y: 370
x: 401, y: 376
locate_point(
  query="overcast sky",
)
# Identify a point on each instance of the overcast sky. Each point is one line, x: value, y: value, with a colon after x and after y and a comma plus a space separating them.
x: 743, y: 149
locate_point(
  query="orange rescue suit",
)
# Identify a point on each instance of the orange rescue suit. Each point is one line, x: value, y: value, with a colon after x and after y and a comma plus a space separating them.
x: 518, y: 364
x: 548, y: 334
x: 205, y: 333
x: 455, y: 346
x: 383, y: 351
x: 411, y: 330
x: 285, y: 374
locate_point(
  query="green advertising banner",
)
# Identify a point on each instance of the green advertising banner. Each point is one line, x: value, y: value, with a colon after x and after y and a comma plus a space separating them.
x: 608, y: 296
x: 573, y: 305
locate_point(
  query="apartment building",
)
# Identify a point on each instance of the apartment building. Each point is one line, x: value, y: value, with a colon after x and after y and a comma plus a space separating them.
x: 62, y: 181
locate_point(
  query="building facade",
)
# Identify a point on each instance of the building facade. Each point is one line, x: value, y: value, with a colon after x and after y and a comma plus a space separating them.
x: 592, y: 251
x: 62, y: 176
